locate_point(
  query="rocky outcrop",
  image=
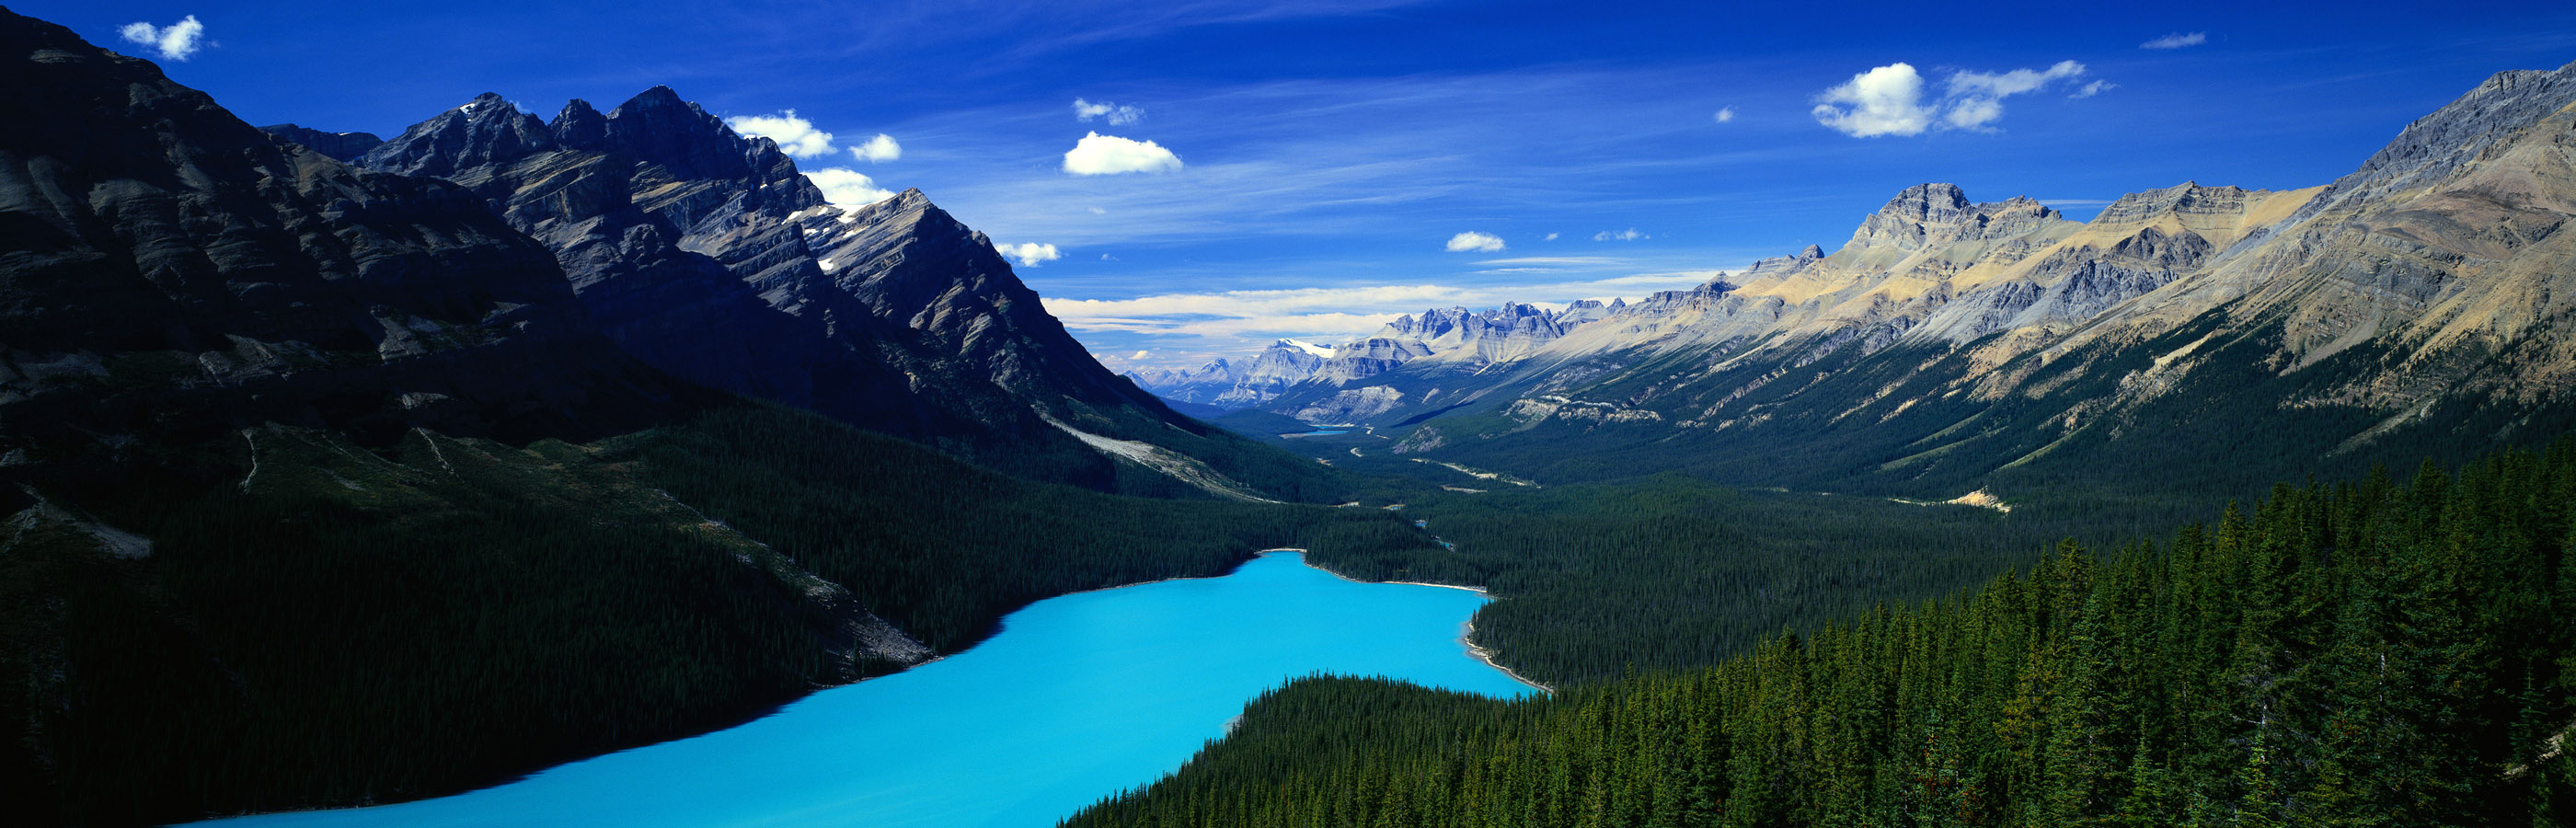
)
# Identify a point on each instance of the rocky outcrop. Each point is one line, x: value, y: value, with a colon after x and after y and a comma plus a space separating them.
x: 171, y: 267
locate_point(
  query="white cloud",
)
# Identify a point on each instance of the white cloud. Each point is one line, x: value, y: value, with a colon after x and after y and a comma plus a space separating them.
x: 795, y: 136
x: 1889, y: 100
x: 1724, y: 114
x: 1629, y: 234
x: 1550, y: 237
x: 1098, y: 154
x: 1029, y: 254
x: 2176, y: 40
x: 1141, y: 355
x: 177, y: 41
x: 2094, y: 88
x: 2015, y: 82
x: 1475, y: 242
x: 878, y: 149
x: 1117, y: 115
x: 847, y: 187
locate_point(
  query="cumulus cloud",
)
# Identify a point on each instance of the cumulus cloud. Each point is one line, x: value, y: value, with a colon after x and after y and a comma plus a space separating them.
x: 1889, y: 100
x: 1629, y: 234
x: 1029, y: 254
x: 1472, y: 241
x: 1115, y: 114
x: 1724, y: 114
x: 880, y: 148
x: 1140, y: 355
x: 2176, y: 40
x: 795, y: 136
x: 177, y: 41
x: 1098, y: 154
x: 847, y: 187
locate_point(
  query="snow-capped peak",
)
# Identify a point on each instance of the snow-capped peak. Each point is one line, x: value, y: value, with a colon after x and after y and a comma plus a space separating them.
x: 1308, y: 347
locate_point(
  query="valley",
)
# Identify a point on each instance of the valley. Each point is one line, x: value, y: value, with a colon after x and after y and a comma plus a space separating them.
x: 632, y: 466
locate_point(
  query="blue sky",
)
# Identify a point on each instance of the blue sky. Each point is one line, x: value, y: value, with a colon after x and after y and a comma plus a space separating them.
x: 1313, y: 163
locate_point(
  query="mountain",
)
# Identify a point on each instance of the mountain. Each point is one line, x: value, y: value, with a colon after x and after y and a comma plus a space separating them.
x: 327, y: 486
x: 1456, y: 338
x: 173, y: 271
x: 345, y: 146
x: 708, y: 255
x: 2418, y: 305
x: 1199, y: 385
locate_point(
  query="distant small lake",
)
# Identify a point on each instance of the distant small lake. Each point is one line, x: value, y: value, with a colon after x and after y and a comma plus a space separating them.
x: 1078, y: 697
x: 1321, y: 432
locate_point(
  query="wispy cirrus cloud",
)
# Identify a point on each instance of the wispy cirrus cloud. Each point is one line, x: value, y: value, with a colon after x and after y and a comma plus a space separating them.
x: 2176, y: 40
x: 1115, y: 114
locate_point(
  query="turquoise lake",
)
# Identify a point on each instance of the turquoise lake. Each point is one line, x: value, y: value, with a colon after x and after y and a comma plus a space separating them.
x: 1078, y: 697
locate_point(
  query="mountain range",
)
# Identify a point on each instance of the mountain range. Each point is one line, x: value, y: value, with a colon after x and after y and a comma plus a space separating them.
x: 2425, y: 297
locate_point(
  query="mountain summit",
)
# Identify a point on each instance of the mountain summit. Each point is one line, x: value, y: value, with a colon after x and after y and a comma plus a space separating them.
x: 707, y: 254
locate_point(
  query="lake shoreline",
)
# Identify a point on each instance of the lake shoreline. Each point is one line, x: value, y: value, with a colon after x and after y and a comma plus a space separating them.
x: 1466, y: 638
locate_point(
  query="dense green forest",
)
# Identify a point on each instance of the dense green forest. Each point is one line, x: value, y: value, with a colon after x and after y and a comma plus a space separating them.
x: 2364, y: 653
x: 330, y: 623
x: 1673, y: 571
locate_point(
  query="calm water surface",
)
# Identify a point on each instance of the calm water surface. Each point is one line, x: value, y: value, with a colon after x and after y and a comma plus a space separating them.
x: 1078, y: 697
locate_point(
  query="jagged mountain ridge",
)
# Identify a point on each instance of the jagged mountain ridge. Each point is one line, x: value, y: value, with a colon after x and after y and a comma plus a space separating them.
x: 708, y: 255
x: 1454, y: 337
x: 171, y: 267
x: 344, y: 146
x: 1952, y: 341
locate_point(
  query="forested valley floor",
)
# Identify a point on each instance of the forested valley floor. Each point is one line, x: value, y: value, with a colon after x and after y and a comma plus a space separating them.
x: 2362, y: 653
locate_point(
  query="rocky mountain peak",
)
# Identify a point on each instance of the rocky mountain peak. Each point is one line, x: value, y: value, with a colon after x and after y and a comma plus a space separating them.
x: 1919, y: 213
x: 659, y: 127
x: 1813, y: 252
x: 2440, y: 144
x: 580, y: 125
x: 486, y: 130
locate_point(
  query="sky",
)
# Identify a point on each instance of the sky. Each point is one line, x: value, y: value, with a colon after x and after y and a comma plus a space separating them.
x: 1193, y: 179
